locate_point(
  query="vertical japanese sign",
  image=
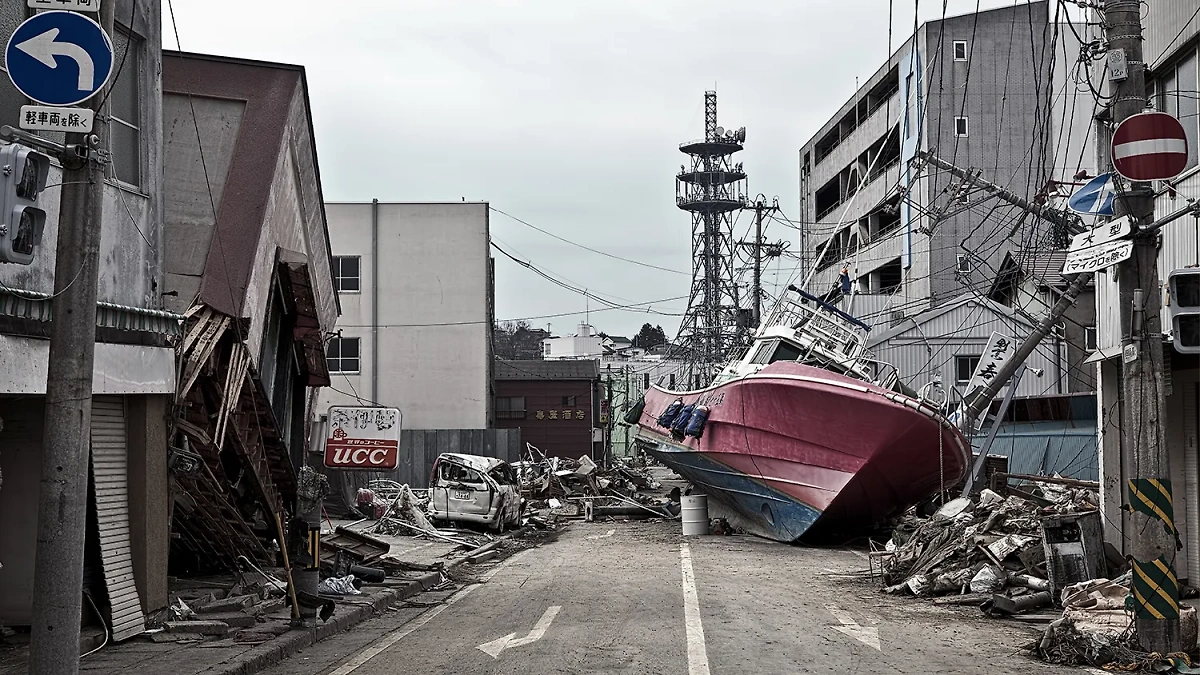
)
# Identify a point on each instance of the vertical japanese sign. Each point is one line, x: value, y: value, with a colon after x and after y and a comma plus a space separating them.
x: 1000, y: 349
x: 363, y: 438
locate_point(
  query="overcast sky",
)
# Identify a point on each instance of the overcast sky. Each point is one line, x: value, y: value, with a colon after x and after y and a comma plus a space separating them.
x: 564, y: 113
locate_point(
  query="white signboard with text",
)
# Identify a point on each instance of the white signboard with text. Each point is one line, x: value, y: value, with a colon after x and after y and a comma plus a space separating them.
x: 363, y: 438
x: 1000, y: 349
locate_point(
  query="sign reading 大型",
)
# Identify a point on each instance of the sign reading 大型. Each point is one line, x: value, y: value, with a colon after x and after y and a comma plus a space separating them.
x: 59, y: 58
x: 363, y: 438
x: 46, y: 118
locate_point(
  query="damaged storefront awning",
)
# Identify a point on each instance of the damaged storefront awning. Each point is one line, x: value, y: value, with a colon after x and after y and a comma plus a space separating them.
x: 40, y: 307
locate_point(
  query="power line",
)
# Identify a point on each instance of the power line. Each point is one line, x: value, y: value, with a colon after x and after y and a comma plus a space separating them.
x: 558, y: 282
x: 587, y: 248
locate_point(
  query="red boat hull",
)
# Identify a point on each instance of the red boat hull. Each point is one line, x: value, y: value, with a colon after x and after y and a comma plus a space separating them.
x: 793, y: 448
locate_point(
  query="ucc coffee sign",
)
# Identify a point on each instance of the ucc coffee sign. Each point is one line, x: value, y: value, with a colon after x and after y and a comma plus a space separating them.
x: 363, y: 438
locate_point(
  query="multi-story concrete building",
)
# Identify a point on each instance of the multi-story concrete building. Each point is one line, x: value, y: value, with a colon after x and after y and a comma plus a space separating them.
x: 416, y: 287
x: 134, y: 370
x: 987, y: 92
x: 976, y: 90
x: 1172, y: 54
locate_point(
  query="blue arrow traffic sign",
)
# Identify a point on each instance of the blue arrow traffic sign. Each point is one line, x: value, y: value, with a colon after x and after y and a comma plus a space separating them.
x: 1094, y: 198
x: 59, y: 58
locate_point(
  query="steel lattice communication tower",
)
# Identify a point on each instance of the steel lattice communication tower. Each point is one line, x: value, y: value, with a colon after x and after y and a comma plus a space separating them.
x: 711, y: 187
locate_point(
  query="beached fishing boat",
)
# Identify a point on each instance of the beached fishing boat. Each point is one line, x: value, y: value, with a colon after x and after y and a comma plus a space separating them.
x: 806, y: 433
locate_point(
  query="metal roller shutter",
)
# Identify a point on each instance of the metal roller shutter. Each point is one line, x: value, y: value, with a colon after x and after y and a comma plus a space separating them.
x: 111, y: 476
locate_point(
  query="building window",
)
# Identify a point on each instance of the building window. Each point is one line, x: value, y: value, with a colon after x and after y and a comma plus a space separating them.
x: 124, y: 133
x: 346, y: 271
x: 1175, y: 91
x: 960, y: 50
x: 962, y: 264
x: 510, y: 407
x: 964, y: 368
x: 909, y: 105
x: 960, y: 127
x: 671, y: 381
x: 545, y: 349
x: 570, y: 400
x: 645, y: 380
x: 342, y: 355
x: 1090, y: 338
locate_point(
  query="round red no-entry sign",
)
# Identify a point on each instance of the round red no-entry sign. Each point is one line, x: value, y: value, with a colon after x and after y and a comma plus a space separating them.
x: 1150, y: 146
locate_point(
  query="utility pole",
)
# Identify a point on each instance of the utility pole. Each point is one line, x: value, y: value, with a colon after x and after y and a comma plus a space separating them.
x: 1143, y: 428
x: 1142, y: 421
x: 761, y: 250
x: 62, y: 499
x: 1069, y: 222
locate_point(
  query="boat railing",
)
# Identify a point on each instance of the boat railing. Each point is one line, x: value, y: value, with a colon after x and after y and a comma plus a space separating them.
x: 829, y: 330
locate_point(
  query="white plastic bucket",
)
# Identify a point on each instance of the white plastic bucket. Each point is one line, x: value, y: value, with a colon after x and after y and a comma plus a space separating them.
x: 694, y: 512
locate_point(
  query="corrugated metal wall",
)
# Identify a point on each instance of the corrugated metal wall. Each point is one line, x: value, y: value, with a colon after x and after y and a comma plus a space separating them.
x: 111, y: 477
x: 1166, y: 26
x: 922, y: 352
x: 1047, y: 448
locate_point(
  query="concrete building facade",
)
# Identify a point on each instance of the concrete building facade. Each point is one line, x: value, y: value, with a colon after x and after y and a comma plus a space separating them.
x: 134, y: 371
x: 982, y: 91
x: 416, y: 287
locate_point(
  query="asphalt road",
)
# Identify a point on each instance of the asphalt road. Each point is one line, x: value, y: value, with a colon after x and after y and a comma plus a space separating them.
x: 639, y: 598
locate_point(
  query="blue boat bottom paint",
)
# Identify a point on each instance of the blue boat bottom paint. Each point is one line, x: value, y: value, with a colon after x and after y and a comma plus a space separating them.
x: 779, y: 515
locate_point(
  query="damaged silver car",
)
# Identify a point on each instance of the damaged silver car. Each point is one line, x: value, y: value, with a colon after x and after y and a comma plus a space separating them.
x: 474, y: 489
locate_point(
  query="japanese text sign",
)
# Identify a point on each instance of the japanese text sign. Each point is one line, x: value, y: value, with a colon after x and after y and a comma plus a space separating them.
x: 363, y: 438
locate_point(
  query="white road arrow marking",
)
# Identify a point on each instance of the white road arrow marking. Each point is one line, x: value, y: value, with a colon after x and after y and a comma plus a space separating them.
x: 865, y: 634
x: 606, y: 535
x: 494, y: 647
x: 44, y: 48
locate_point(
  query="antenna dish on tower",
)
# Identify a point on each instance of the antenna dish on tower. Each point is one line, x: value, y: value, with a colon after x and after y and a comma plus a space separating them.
x: 741, y: 134
x: 720, y: 131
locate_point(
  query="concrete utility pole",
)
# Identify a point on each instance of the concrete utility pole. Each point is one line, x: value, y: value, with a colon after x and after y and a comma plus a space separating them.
x: 761, y: 250
x: 62, y: 499
x: 1143, y: 428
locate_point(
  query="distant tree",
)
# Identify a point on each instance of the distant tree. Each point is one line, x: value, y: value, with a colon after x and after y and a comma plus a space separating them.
x: 649, y: 336
x: 517, y: 340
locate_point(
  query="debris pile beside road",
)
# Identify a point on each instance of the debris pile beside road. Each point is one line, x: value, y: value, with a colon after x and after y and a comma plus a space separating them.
x: 989, y: 551
x: 1096, y: 629
x: 578, y: 488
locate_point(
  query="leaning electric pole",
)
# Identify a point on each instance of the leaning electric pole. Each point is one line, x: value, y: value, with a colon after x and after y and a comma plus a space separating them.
x: 62, y: 500
x: 1143, y: 430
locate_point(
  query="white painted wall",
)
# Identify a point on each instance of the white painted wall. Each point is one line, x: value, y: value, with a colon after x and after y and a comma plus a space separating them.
x: 434, y: 322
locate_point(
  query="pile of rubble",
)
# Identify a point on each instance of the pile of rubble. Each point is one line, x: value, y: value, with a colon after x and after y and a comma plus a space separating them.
x: 572, y: 488
x: 988, y: 551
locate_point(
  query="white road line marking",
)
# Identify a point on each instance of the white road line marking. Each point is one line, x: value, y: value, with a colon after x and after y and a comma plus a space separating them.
x: 402, y: 632
x: 697, y: 652
x: 606, y: 535
x: 867, y: 635
x: 494, y: 647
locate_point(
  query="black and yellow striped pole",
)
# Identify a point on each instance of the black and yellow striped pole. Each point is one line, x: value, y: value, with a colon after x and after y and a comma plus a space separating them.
x: 1155, y: 585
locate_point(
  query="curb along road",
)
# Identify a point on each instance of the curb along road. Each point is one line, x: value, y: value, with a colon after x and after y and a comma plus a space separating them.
x: 290, y: 643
